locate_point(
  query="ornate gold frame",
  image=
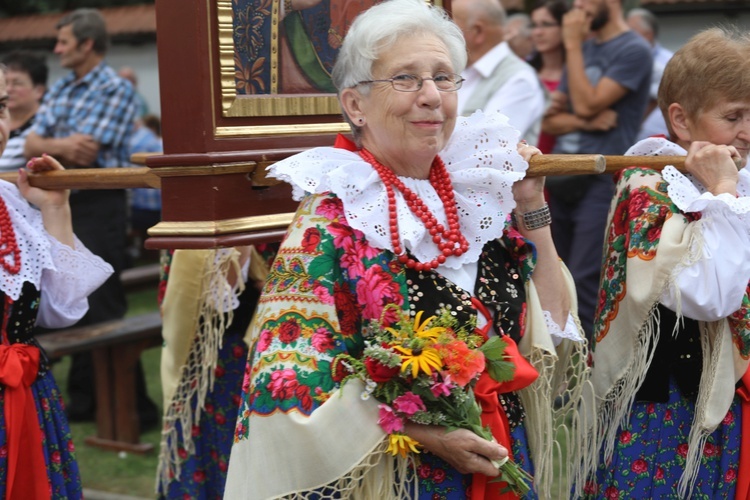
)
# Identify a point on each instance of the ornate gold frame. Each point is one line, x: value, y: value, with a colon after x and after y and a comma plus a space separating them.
x: 270, y: 105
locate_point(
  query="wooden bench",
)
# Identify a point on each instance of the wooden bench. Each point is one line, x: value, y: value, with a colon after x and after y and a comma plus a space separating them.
x: 116, y: 347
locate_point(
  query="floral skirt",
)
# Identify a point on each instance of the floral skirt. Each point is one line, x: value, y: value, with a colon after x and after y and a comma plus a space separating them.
x: 57, y: 444
x: 649, y: 456
x: 203, y: 475
x: 439, y: 481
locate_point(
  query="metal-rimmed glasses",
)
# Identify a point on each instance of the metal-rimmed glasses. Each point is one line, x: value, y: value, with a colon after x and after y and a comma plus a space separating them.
x: 445, y: 82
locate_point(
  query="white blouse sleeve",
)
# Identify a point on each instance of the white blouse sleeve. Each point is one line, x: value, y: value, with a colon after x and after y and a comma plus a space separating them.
x: 712, y: 288
x: 225, y: 296
x: 570, y: 332
x: 64, y: 289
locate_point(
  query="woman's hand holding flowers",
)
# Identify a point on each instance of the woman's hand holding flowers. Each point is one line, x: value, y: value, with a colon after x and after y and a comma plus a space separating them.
x: 461, y: 448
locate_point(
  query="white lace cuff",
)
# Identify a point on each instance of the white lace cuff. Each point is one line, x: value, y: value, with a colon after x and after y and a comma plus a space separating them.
x: 558, y: 335
x: 225, y: 297
x: 65, y: 288
x: 689, y: 196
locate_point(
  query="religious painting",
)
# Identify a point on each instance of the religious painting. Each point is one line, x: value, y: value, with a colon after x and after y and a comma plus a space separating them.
x: 283, y: 53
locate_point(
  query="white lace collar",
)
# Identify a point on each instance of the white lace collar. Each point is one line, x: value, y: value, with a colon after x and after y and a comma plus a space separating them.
x: 684, y: 189
x: 482, y: 162
x: 32, y: 240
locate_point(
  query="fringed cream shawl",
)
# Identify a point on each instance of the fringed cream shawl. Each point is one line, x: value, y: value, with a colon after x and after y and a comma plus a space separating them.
x: 649, y: 241
x: 197, y: 308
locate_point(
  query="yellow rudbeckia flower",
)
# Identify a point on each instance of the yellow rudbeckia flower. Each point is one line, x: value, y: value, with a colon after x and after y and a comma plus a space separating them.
x: 421, y: 330
x: 401, y: 444
x: 424, y: 359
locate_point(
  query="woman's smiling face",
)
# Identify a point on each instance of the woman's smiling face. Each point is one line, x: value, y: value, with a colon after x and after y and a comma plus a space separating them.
x: 406, y: 130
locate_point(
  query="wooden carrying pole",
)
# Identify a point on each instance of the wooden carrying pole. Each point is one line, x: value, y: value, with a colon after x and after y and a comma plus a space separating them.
x: 145, y: 177
x: 91, y: 178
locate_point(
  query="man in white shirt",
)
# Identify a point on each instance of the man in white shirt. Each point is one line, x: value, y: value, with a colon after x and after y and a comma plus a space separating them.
x: 496, y: 79
x: 518, y: 35
x: 645, y: 24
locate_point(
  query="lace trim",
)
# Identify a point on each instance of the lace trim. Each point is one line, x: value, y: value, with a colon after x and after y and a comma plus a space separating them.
x: 684, y: 189
x: 76, y: 273
x: 482, y: 162
x: 558, y: 335
x: 41, y: 252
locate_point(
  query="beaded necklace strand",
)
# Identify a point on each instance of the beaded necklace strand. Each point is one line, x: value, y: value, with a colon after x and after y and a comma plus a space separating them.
x: 450, y: 241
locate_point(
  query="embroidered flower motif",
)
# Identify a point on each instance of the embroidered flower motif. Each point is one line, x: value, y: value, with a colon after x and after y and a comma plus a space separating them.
x: 289, y: 331
x: 376, y: 289
x: 322, y: 340
x: 330, y: 208
x: 311, y: 239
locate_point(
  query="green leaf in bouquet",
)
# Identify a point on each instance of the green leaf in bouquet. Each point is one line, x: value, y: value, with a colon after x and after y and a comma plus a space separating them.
x: 494, y: 354
x: 472, y: 408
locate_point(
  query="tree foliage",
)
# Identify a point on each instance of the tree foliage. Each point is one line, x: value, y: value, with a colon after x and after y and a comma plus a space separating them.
x: 9, y: 8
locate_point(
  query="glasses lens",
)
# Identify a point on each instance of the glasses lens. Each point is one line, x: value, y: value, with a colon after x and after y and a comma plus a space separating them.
x: 448, y: 82
x: 406, y: 83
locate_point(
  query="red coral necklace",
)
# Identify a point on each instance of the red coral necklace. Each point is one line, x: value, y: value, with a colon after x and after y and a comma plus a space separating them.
x: 449, y: 240
x: 8, y: 244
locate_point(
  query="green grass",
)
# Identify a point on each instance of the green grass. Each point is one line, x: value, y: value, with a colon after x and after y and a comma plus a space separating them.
x: 122, y: 473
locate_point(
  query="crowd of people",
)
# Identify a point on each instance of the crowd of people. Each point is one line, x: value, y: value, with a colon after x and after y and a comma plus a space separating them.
x: 621, y: 302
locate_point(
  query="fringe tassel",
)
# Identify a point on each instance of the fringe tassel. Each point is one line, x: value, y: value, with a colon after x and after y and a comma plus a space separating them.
x: 560, y: 442
x: 197, y: 377
x: 698, y: 433
x: 615, y: 407
x: 380, y: 476
x: 539, y: 423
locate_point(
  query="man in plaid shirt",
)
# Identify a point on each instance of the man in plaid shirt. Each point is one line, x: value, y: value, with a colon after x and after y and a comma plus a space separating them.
x: 86, y: 120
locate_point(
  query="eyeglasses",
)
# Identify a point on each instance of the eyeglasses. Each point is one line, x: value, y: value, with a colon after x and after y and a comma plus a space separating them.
x: 445, y: 82
x: 18, y: 83
x: 544, y: 25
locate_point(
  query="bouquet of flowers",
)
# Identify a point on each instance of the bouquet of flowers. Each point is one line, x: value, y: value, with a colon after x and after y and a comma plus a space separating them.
x: 423, y: 372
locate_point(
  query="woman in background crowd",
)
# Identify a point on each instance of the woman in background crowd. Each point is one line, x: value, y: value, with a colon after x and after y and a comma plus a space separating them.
x: 549, y: 53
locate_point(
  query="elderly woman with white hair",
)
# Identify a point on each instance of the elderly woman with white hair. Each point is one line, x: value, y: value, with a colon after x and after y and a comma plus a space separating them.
x: 413, y: 213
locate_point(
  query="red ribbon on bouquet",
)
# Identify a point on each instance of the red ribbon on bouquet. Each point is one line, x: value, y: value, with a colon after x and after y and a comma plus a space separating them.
x: 486, y: 392
x: 27, y: 472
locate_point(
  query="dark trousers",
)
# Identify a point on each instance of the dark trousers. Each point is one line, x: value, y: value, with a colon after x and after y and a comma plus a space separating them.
x: 100, y: 222
x: 578, y: 229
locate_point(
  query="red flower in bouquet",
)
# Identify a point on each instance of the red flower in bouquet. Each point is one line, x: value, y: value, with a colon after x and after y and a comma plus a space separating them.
x: 463, y: 364
x: 379, y: 372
